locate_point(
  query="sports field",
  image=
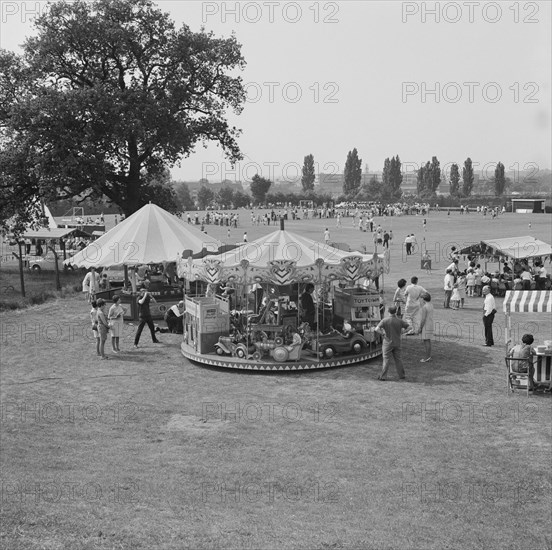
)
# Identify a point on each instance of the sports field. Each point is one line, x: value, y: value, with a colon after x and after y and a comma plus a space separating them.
x: 147, y: 450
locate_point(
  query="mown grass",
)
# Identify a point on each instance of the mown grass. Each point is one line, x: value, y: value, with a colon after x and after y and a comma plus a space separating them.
x: 148, y: 450
x: 39, y: 287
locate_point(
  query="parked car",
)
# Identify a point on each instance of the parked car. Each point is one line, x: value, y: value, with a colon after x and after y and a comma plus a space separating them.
x: 45, y: 263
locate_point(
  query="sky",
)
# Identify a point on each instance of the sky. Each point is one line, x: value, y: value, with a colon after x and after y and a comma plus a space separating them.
x: 414, y: 79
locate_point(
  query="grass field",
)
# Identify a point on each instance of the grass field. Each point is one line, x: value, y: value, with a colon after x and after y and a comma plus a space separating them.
x: 148, y: 450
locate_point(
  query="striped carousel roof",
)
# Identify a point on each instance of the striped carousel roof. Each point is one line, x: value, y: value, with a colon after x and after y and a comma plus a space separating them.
x: 528, y: 301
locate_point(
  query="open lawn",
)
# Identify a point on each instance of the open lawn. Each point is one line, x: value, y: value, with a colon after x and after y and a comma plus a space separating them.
x: 148, y: 450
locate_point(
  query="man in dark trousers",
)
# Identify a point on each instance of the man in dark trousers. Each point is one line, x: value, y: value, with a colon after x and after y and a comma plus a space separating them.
x: 489, y: 311
x: 145, y: 314
x: 391, y: 328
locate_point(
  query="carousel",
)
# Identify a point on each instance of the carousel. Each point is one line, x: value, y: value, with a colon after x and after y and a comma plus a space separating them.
x: 283, y: 303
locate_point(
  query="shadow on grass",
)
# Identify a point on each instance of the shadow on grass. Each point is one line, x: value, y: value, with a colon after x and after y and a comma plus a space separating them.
x: 449, y: 365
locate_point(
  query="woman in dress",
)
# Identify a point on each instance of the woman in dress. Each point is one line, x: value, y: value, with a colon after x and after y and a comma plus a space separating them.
x: 103, y: 326
x: 399, y: 299
x: 412, y: 309
x: 115, y: 318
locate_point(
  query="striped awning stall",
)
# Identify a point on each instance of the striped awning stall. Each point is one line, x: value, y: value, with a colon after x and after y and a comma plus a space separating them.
x: 528, y: 301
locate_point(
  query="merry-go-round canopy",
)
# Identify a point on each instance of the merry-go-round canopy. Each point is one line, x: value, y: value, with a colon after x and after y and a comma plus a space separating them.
x: 283, y: 258
x: 151, y: 235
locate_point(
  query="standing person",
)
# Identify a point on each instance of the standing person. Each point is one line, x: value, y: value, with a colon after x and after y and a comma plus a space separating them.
x: 412, y: 308
x: 448, y: 287
x: 399, y: 299
x: 526, y: 278
x: 455, y: 298
x: 478, y: 283
x: 489, y: 311
x: 426, y: 262
x: 426, y: 325
x: 245, y: 236
x: 145, y: 314
x: 94, y: 323
x: 327, y: 236
x: 424, y: 224
x: 391, y: 328
x: 408, y: 245
x: 462, y: 286
x: 91, y: 284
x: 116, y: 323
x: 308, y: 308
x: 541, y: 276
x: 103, y: 326
x: 386, y: 239
x: 470, y: 282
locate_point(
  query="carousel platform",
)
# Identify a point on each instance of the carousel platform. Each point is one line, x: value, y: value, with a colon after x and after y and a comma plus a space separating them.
x: 306, y: 362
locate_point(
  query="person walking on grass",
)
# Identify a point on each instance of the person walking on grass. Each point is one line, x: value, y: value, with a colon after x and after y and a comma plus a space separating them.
x: 391, y: 328
x: 103, y: 326
x: 144, y: 314
x: 327, y: 236
x: 426, y: 326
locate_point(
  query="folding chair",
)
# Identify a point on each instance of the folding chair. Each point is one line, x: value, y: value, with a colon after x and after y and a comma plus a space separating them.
x: 519, y: 380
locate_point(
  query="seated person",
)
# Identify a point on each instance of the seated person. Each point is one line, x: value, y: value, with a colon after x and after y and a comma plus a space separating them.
x: 524, y: 351
x: 347, y: 329
x: 174, y: 318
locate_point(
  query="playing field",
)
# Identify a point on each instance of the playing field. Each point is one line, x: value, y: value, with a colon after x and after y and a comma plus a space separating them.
x: 149, y: 451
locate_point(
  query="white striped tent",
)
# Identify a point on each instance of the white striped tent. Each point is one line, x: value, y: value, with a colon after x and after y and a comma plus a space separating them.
x: 525, y: 301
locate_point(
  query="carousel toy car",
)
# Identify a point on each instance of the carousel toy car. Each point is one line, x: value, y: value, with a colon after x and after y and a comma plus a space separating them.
x: 334, y: 343
x: 235, y: 346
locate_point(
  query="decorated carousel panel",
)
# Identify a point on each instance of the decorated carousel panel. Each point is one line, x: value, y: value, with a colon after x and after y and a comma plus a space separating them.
x: 284, y: 302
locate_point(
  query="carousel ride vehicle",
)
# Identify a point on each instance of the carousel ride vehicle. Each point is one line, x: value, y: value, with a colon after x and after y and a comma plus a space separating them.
x: 295, y: 304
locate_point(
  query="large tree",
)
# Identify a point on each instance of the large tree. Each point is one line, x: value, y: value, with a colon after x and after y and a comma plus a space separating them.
x: 352, y: 174
x: 454, y: 180
x: 184, y: 196
x: 499, y: 180
x: 225, y: 196
x: 107, y: 93
x: 308, y: 175
x: 467, y: 177
x: 392, y: 179
x: 429, y: 179
x: 259, y: 188
x: 204, y: 197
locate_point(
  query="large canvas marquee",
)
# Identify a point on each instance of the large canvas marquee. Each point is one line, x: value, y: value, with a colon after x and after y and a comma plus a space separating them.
x: 150, y: 235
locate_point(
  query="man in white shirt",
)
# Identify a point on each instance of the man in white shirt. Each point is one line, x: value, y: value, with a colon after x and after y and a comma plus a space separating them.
x: 448, y: 286
x: 489, y: 311
x: 541, y: 277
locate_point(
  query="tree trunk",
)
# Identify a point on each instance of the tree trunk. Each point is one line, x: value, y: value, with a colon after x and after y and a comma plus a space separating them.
x: 21, y: 277
x: 133, y: 202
